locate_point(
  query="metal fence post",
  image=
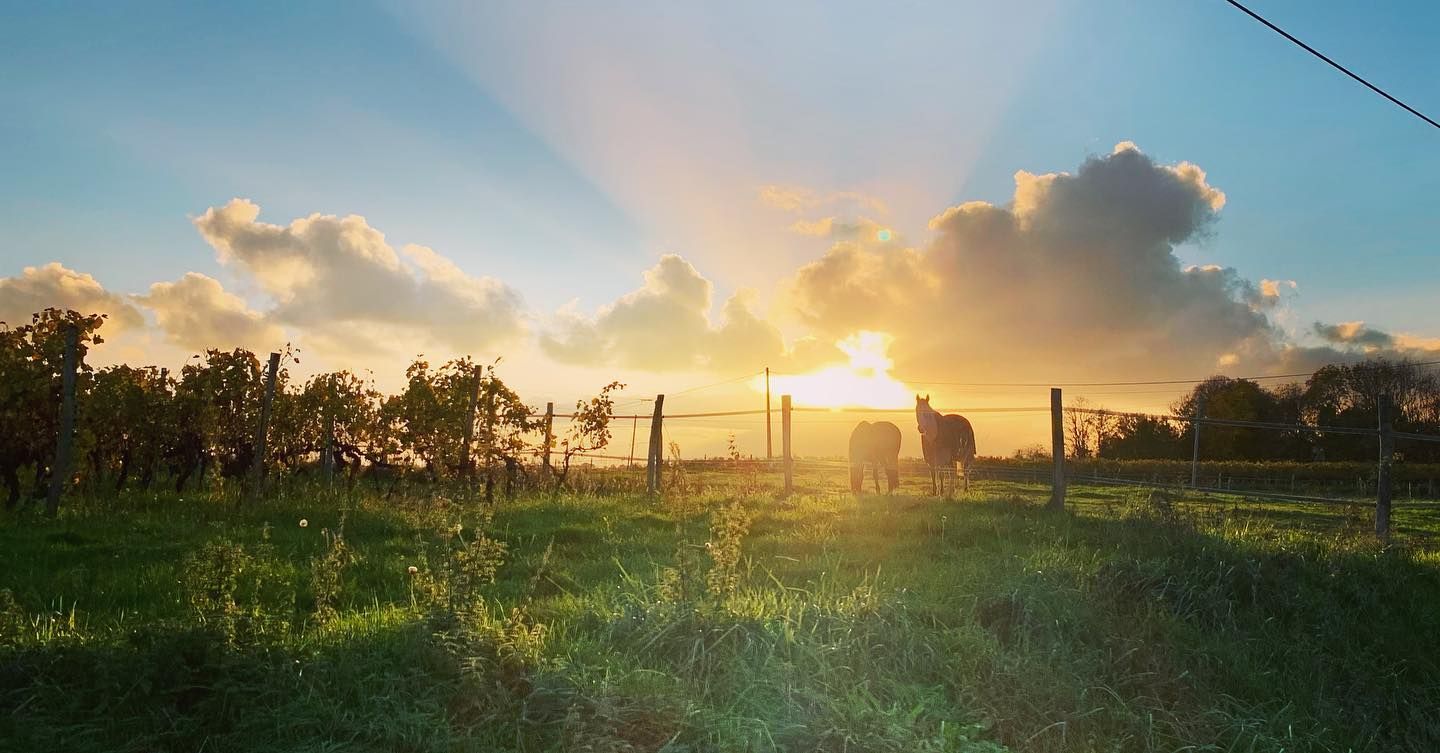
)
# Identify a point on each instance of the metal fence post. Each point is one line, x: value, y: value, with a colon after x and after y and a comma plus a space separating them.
x: 1057, y: 450
x: 1382, y: 476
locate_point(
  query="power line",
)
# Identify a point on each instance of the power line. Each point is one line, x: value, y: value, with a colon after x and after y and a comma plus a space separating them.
x: 1126, y: 384
x: 751, y: 375
x: 1332, y: 63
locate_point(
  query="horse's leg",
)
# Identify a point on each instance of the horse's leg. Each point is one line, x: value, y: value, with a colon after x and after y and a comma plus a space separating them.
x: 892, y: 475
x: 875, y: 474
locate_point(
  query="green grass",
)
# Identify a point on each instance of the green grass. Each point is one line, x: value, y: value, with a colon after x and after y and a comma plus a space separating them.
x: 719, y: 618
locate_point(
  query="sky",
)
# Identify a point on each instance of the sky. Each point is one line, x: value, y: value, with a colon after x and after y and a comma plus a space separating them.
x: 677, y: 194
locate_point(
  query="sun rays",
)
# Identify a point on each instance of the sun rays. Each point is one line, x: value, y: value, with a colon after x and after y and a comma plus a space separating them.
x: 864, y: 382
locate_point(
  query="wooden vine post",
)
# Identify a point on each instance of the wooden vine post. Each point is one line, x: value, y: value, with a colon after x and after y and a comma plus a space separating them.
x: 64, y: 440
x: 466, y: 467
x: 549, y: 439
x: 327, y: 461
x: 257, y: 467
x: 1195, y: 442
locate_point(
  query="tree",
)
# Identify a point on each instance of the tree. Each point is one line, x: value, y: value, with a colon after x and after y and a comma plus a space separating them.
x: 217, y: 407
x: 589, y: 429
x: 349, y: 408
x: 31, y: 358
x: 1238, y: 400
x: 1349, y: 396
x: 123, y: 421
x: 1086, y: 429
x: 505, y: 420
x: 1143, y: 437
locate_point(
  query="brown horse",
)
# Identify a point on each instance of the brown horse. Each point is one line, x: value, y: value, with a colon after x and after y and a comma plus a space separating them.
x: 944, y: 440
x: 879, y: 445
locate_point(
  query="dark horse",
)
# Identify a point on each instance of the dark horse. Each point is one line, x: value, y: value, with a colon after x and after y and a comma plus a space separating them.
x: 879, y: 445
x: 945, y: 441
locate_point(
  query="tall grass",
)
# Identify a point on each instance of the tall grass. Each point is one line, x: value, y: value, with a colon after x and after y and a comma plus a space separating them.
x: 723, y: 619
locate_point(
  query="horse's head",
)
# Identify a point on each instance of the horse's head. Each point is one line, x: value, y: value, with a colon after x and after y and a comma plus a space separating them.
x: 924, y: 415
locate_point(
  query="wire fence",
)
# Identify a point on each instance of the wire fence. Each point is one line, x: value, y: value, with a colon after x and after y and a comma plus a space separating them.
x: 1202, y: 477
x: 789, y: 455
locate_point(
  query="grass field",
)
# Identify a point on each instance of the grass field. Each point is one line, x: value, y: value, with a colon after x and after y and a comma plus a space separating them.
x: 718, y: 618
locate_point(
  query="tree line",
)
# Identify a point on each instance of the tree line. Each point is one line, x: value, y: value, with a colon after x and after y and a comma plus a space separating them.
x: 1336, y: 395
x: 136, y: 427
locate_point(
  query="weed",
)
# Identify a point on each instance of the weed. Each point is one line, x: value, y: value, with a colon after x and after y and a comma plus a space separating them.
x: 326, y: 572
x: 728, y: 527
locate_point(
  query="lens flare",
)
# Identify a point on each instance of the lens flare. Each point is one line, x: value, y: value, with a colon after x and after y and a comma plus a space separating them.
x: 864, y: 382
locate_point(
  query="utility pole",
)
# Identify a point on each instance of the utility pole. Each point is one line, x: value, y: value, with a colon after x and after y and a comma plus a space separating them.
x: 769, y: 448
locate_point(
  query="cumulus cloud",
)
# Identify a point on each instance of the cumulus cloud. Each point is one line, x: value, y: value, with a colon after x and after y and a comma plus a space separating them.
x: 326, y: 273
x: 1353, y: 333
x: 665, y: 325
x: 1077, y: 274
x: 55, y: 286
x: 197, y: 313
x: 1348, y: 341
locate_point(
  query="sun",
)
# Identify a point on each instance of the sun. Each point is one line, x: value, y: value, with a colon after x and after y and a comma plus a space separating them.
x: 864, y: 382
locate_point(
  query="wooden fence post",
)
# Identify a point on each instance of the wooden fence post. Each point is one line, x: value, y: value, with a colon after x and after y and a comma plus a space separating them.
x: 1195, y: 448
x: 257, y: 467
x: 468, y: 434
x: 657, y: 447
x: 549, y: 438
x: 1382, y: 476
x: 60, y: 473
x: 1057, y: 450
x: 789, y: 460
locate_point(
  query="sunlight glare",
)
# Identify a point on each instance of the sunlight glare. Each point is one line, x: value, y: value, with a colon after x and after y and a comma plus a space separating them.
x: 864, y: 382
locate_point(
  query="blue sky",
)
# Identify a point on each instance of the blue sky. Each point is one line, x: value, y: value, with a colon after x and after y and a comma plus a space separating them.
x: 494, y: 133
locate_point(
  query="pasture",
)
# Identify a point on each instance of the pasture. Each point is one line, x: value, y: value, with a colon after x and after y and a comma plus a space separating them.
x: 717, y: 617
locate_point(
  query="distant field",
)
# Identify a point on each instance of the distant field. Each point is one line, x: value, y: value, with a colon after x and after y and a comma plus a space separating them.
x: 718, y: 618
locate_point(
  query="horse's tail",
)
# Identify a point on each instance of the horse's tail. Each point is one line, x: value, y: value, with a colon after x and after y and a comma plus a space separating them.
x: 966, y: 451
x: 857, y: 476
